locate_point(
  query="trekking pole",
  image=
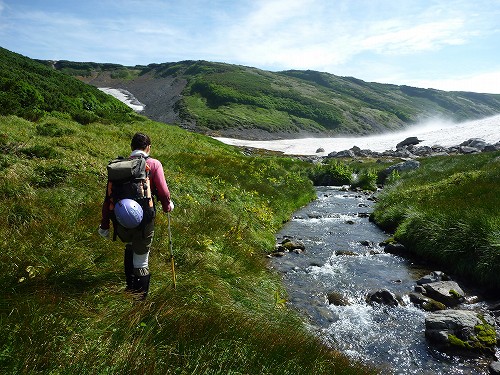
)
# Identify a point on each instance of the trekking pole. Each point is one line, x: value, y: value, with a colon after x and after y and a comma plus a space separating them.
x: 171, y: 251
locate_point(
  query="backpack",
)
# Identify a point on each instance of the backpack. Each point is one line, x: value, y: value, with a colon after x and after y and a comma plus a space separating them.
x: 129, y: 178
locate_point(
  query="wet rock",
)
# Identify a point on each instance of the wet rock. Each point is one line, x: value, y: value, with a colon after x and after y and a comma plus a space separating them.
x: 363, y: 214
x: 383, y: 297
x: 321, y: 149
x: 337, y: 299
x: 433, y: 277
x: 314, y: 215
x: 366, y: 243
x: 495, y: 309
x: 395, y: 248
x: 461, y: 330
x: 426, y: 303
x: 494, y: 368
x: 419, y: 289
x: 350, y: 222
x: 346, y: 252
x: 447, y: 292
x: 291, y: 245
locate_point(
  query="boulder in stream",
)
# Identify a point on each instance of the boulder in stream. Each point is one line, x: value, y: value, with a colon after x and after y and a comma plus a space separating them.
x: 447, y: 292
x: 395, y: 248
x: 433, y: 277
x: 463, y: 331
x: 291, y: 245
x: 337, y: 299
x: 426, y: 303
x: 383, y: 297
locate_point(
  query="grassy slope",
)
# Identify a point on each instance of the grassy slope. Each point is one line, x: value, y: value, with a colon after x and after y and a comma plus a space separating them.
x: 223, y: 96
x: 63, y: 309
x: 448, y: 212
x: 30, y: 90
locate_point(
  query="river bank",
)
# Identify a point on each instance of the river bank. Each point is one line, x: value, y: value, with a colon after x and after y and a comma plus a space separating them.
x: 343, y: 256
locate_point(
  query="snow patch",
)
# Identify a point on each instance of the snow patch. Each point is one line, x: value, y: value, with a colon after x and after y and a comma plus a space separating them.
x: 125, y: 97
x: 435, y: 132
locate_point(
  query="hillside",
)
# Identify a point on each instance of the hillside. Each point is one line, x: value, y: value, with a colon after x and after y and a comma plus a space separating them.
x: 30, y: 90
x: 232, y: 100
x: 64, y: 309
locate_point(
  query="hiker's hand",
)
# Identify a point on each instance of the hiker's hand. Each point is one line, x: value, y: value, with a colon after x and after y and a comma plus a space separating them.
x: 171, y: 206
x: 104, y: 233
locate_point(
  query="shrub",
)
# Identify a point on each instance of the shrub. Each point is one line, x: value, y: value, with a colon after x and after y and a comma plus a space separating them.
x: 393, y: 177
x: 332, y: 173
x: 85, y: 117
x: 366, y: 180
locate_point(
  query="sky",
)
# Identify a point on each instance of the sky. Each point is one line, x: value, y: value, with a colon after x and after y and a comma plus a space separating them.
x: 443, y: 44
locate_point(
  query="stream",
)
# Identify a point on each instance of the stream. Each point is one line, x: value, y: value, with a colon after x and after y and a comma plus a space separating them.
x: 343, y: 256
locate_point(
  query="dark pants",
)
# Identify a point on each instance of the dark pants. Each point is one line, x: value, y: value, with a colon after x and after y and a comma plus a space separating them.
x: 136, y: 257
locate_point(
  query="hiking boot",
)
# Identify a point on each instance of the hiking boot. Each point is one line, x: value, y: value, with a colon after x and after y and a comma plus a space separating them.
x: 141, y: 286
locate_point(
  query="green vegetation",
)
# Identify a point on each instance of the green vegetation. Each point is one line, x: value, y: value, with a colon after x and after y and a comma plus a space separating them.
x: 64, y: 309
x: 336, y: 172
x: 331, y: 173
x: 365, y: 180
x: 219, y: 97
x: 31, y: 90
x: 485, y: 334
x: 448, y: 212
x: 485, y: 338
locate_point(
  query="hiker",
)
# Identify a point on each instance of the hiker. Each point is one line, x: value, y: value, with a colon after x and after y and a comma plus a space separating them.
x: 139, y: 239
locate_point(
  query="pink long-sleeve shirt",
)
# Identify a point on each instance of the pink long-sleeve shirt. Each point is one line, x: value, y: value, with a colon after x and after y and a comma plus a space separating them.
x: 158, y: 184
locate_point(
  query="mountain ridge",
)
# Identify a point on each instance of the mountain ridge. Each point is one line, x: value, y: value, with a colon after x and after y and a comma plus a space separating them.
x: 232, y: 100
x: 220, y: 99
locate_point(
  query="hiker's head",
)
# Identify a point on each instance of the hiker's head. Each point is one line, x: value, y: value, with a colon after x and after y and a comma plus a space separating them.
x: 140, y: 141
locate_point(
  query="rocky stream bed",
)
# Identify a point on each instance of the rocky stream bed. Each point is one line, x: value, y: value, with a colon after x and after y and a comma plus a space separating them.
x: 372, y: 304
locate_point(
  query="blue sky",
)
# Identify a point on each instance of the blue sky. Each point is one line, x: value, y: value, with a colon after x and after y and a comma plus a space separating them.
x: 443, y: 44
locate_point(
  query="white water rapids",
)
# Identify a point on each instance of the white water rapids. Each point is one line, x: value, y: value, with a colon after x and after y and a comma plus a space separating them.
x: 434, y: 132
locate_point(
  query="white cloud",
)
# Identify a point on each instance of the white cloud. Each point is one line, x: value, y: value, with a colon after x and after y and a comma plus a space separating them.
x: 363, y: 38
x: 486, y: 82
x: 310, y: 34
x: 397, y: 38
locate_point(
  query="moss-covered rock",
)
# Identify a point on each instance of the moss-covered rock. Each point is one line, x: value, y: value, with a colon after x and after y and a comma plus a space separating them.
x: 460, y: 330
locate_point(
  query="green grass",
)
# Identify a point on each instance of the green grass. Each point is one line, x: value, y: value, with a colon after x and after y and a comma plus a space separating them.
x: 63, y: 309
x: 448, y: 212
x: 31, y: 90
